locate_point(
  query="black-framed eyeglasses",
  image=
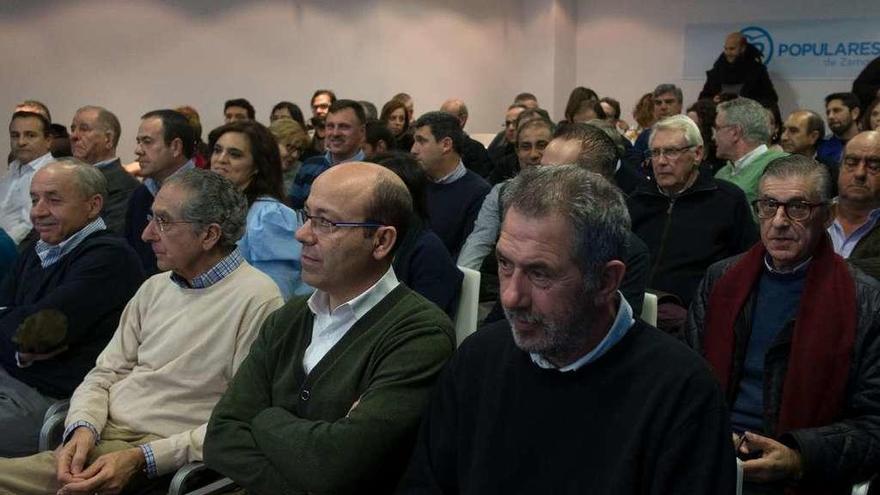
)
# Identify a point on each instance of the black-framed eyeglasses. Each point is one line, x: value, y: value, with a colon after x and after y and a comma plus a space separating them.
x: 323, y: 226
x: 670, y: 153
x: 872, y: 163
x: 795, y: 210
x: 163, y: 224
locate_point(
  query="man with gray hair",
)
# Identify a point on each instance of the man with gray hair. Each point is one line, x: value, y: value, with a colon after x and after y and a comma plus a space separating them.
x: 141, y: 412
x: 94, y: 135
x: 668, y: 101
x: 688, y: 219
x: 61, y: 301
x: 571, y: 394
x: 793, y: 335
x: 741, y: 135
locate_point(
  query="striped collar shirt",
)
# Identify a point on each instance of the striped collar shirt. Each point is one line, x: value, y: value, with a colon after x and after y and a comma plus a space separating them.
x: 214, y: 274
x: 50, y: 254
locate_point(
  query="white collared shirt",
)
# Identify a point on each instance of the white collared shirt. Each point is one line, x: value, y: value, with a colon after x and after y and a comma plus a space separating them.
x: 748, y: 158
x: 331, y: 324
x: 15, y: 196
x: 453, y: 176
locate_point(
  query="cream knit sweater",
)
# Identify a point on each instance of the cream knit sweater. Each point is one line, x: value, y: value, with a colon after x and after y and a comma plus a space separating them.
x: 172, y: 357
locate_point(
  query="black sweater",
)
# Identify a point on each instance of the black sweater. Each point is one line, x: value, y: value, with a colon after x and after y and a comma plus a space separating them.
x: 645, y: 418
x: 453, y: 209
x: 90, y: 285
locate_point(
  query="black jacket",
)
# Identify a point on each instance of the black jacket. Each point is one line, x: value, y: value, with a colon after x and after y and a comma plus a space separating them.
x: 746, y: 73
x: 843, y: 452
x: 706, y: 223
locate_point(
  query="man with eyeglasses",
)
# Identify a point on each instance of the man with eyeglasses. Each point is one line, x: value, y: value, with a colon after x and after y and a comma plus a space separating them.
x: 330, y: 397
x: 61, y: 300
x: 687, y: 218
x: 854, y: 231
x: 741, y: 134
x: 791, y: 331
x: 504, y: 143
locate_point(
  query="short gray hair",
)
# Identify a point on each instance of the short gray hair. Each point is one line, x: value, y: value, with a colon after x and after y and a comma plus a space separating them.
x: 750, y: 116
x: 797, y: 166
x: 212, y: 199
x: 681, y: 123
x: 107, y: 120
x: 662, y: 89
x: 87, y: 178
x: 594, y: 207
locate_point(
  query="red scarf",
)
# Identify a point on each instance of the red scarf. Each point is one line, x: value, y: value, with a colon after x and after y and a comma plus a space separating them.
x: 824, y: 331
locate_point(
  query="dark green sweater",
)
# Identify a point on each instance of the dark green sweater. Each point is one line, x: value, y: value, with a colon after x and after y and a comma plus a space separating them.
x: 278, y: 430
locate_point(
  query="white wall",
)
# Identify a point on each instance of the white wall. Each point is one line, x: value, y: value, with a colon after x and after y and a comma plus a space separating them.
x: 134, y: 56
x: 626, y: 47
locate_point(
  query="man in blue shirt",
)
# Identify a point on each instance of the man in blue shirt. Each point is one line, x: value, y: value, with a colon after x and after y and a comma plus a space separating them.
x: 344, y: 135
x: 842, y: 111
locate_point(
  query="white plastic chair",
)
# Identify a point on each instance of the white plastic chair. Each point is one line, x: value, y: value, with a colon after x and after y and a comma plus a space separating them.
x: 649, y: 309
x: 468, y: 305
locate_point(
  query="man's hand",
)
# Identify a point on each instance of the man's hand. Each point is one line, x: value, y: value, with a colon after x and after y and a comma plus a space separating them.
x: 71, y: 457
x: 777, y: 462
x: 108, y: 474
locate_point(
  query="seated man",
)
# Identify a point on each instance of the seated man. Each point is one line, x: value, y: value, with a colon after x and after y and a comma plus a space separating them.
x: 330, y: 397
x: 855, y: 231
x: 688, y: 219
x: 791, y: 331
x: 61, y: 300
x: 141, y: 411
x: 571, y: 394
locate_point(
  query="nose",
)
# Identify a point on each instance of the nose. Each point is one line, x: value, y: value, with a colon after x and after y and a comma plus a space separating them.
x: 535, y: 155
x: 138, y: 149
x: 150, y: 233
x: 514, y: 290
x: 780, y: 219
x: 39, y: 209
x: 305, y: 234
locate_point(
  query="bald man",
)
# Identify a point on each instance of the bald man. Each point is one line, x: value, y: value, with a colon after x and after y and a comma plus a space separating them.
x: 331, y: 395
x: 473, y: 153
x: 740, y: 70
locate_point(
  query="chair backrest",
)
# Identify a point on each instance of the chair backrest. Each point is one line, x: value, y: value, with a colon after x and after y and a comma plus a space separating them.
x: 649, y: 309
x: 53, y: 425
x: 468, y: 305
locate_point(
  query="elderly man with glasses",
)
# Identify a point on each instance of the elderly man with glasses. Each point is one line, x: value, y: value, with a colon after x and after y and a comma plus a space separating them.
x: 330, y: 398
x: 793, y: 334
x: 687, y: 218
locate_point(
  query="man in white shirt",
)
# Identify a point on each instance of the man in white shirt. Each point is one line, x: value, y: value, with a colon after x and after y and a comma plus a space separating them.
x: 30, y: 141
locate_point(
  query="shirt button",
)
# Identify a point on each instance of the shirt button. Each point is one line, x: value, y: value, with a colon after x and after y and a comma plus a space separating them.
x: 304, y: 394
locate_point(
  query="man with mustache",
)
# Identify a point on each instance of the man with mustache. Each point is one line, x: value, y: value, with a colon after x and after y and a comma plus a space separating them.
x: 571, y: 394
x: 344, y: 136
x: 94, y: 135
x: 791, y: 332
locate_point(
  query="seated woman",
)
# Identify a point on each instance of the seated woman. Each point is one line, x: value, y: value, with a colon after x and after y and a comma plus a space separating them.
x: 395, y: 116
x: 246, y: 153
x: 422, y: 262
x: 292, y: 141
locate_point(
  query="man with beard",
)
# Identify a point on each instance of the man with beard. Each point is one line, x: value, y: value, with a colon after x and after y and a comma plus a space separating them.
x: 739, y: 71
x: 571, y: 394
x: 842, y: 110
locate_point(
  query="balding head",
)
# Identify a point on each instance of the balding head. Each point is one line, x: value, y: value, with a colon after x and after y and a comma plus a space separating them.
x: 859, y: 180
x: 66, y: 196
x: 734, y: 46
x: 357, y: 214
x: 456, y: 108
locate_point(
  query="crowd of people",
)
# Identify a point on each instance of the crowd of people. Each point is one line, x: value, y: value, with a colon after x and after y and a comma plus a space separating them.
x: 277, y: 300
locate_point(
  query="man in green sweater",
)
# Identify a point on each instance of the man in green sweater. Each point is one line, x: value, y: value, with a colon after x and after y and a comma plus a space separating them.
x: 331, y: 395
x: 741, y: 134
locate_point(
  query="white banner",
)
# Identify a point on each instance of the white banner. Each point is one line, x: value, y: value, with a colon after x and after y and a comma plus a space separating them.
x: 804, y: 49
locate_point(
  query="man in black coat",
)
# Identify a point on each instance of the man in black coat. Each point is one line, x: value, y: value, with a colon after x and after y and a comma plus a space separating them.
x: 739, y: 70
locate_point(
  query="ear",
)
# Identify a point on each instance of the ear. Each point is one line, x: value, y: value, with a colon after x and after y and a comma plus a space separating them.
x: 446, y: 144
x: 95, y: 204
x: 698, y: 154
x: 381, y: 147
x: 210, y: 236
x: 609, y: 280
x: 856, y: 113
x: 814, y: 137
x: 177, y: 147
x: 383, y: 241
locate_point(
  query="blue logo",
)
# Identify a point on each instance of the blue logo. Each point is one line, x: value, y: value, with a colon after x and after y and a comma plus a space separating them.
x: 760, y: 38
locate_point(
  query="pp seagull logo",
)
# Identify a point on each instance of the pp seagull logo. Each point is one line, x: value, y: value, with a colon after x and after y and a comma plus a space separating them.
x: 760, y: 38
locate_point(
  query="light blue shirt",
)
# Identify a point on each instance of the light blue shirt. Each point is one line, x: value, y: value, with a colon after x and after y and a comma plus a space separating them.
x: 844, y: 245
x: 622, y: 323
x: 453, y: 176
x: 269, y: 245
x: 49, y: 254
x: 358, y: 157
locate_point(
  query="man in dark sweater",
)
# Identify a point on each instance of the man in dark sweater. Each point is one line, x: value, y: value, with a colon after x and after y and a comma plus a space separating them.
x: 330, y: 397
x: 791, y: 332
x: 62, y: 300
x: 454, y: 194
x: 570, y: 394
x: 165, y: 145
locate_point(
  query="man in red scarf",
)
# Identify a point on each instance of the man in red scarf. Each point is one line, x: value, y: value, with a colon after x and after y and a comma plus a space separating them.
x: 791, y: 331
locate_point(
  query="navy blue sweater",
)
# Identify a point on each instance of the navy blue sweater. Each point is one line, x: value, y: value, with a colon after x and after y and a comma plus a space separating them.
x: 135, y: 222
x: 453, y: 208
x: 90, y: 285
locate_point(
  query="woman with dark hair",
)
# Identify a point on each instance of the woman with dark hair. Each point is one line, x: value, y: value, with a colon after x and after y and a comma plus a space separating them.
x: 396, y: 117
x: 422, y: 261
x: 576, y: 100
x: 871, y: 119
x: 287, y: 109
x: 246, y: 153
x: 703, y: 112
